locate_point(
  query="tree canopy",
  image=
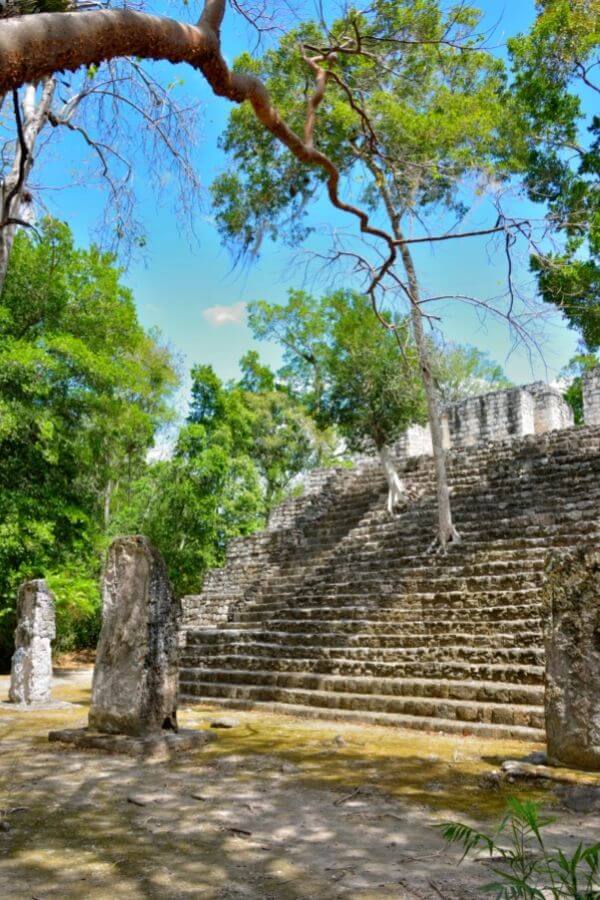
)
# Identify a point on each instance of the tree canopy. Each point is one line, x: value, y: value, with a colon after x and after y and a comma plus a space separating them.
x: 405, y: 110
x: 555, y: 68
x: 83, y: 391
x: 238, y: 453
x: 357, y: 376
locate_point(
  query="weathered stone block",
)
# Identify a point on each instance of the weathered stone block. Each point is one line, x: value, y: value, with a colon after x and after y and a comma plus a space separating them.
x: 31, y: 670
x: 134, y: 690
x: 491, y: 417
x: 591, y: 397
x: 415, y: 441
x: 150, y: 747
x: 572, y: 637
x: 551, y: 412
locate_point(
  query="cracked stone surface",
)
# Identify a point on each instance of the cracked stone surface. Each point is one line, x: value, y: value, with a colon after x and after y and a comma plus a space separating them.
x: 573, y: 660
x: 135, y: 684
x: 31, y: 669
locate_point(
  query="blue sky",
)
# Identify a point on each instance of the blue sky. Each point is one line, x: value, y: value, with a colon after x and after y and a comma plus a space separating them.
x: 177, y: 285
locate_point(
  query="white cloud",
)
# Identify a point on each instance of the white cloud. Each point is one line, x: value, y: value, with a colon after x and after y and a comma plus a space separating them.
x: 225, y: 315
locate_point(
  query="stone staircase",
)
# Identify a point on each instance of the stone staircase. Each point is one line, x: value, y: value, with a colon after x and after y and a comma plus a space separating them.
x: 340, y: 611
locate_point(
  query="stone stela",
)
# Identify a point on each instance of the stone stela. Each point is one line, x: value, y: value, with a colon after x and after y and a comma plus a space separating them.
x: 135, y: 683
x: 134, y: 690
x: 31, y: 669
x: 572, y: 634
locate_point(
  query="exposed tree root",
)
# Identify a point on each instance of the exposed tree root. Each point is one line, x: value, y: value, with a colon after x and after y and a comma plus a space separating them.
x: 439, y: 547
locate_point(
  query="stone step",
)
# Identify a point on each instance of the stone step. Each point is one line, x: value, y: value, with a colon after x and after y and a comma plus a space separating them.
x: 384, y: 627
x: 394, y: 591
x: 407, y: 544
x: 482, y: 494
x: 370, y: 619
x: 400, y: 547
x: 483, y: 691
x: 459, y: 710
x: 419, y: 723
x: 506, y: 671
x: 469, y: 517
x: 213, y: 640
x: 496, y: 603
x: 429, y: 654
x: 474, y: 529
x: 454, y: 565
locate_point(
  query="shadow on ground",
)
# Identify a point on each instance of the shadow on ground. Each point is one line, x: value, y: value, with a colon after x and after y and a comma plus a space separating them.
x: 275, y: 808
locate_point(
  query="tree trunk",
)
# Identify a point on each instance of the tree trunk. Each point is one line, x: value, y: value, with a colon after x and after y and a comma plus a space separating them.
x: 13, y: 205
x: 397, y: 492
x: 108, y: 493
x: 446, y: 530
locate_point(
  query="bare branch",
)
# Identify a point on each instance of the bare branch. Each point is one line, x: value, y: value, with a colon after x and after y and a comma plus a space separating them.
x: 23, y: 157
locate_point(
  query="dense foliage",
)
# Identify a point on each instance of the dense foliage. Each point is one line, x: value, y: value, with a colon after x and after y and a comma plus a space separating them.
x: 241, y: 447
x: 556, y: 87
x: 358, y: 377
x: 83, y: 390
x: 573, y: 376
x: 408, y: 119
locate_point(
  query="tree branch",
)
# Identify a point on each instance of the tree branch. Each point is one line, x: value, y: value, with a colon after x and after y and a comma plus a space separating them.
x: 23, y: 156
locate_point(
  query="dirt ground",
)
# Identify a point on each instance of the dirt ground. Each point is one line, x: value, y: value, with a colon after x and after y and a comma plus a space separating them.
x: 273, y: 809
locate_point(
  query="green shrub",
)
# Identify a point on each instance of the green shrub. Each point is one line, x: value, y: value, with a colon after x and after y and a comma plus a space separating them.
x: 526, y: 868
x: 78, y: 607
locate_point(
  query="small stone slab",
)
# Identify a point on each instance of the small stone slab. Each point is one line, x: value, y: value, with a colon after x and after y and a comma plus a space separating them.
x: 147, y: 799
x: 225, y: 723
x: 31, y: 667
x: 513, y: 768
x: 158, y: 746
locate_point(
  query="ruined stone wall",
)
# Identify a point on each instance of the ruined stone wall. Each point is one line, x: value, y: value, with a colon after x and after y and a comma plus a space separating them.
x: 552, y: 412
x: 491, y: 417
x: 532, y: 409
x: 416, y: 441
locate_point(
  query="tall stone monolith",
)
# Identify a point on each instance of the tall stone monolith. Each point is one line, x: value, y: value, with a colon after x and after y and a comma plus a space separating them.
x: 572, y: 598
x: 134, y: 689
x: 31, y: 669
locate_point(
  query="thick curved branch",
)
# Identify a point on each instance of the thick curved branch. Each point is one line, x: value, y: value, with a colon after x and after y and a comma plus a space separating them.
x: 32, y: 47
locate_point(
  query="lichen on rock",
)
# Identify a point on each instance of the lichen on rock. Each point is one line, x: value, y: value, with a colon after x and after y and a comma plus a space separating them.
x: 31, y: 669
x: 135, y: 681
x: 572, y: 637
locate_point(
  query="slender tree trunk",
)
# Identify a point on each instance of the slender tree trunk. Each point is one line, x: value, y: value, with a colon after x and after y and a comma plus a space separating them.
x: 13, y: 205
x: 446, y: 530
x: 397, y: 492
x: 108, y: 492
